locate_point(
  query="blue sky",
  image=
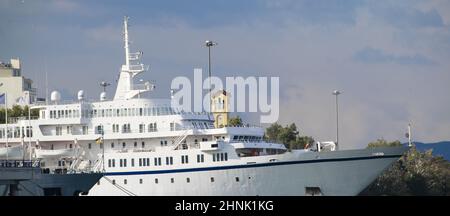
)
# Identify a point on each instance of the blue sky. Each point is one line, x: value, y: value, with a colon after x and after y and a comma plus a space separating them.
x: 390, y: 58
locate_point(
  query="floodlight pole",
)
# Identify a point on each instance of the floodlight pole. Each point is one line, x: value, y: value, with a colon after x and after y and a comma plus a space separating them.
x: 336, y: 93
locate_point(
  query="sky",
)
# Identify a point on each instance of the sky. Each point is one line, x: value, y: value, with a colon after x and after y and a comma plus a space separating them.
x: 389, y: 58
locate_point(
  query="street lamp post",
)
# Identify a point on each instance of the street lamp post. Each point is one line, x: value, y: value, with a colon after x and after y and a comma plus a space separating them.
x: 209, y: 44
x: 336, y: 93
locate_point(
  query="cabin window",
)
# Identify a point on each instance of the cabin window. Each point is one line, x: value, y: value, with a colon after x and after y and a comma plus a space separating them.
x: 132, y: 162
x: 143, y: 144
x: 172, y: 180
x: 188, y: 180
x: 58, y: 131
x: 212, y: 179
x: 135, y: 144
x: 85, y: 130
x: 124, y: 181
x: 112, y: 145
x: 113, y: 181
x: 89, y: 145
x: 156, y: 181
x: 124, y: 144
x: 237, y: 179
x: 141, y: 128
x: 140, y: 181
x: 148, y: 162
x: 140, y: 161
x: 69, y: 129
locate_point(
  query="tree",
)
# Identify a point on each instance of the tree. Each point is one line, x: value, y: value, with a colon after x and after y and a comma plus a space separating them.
x: 288, y: 135
x: 416, y: 173
x: 17, y: 111
x: 383, y: 143
x: 236, y: 121
x: 272, y: 132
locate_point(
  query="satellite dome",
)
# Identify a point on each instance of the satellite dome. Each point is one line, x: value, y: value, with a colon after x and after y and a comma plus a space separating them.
x: 55, y: 96
x: 81, y: 95
x: 103, y: 96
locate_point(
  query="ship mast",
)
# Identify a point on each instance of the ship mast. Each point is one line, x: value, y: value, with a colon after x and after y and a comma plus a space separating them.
x: 126, y: 88
x: 127, y: 43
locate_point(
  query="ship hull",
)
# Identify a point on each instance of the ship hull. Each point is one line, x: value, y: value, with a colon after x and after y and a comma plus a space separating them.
x: 53, y: 185
x: 342, y: 173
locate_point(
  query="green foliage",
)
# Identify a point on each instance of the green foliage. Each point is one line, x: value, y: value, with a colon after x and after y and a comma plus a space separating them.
x: 383, y: 143
x: 17, y: 111
x: 416, y: 173
x: 288, y: 135
x: 236, y: 121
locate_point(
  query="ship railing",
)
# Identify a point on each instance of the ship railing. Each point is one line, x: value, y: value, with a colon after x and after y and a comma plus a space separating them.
x: 241, y: 126
x: 142, y: 87
x: 13, y: 120
x: 143, y: 150
x: 64, y: 102
x: 19, y: 163
x: 137, y: 68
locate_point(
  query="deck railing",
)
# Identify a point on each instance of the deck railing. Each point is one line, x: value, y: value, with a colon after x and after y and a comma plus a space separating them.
x: 19, y: 163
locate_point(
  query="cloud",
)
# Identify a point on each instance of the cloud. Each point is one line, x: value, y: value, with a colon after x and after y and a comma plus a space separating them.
x: 390, y: 74
x: 371, y: 55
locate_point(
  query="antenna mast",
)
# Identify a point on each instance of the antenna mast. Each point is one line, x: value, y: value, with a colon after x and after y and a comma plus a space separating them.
x: 126, y: 88
x: 127, y: 43
x: 409, y: 135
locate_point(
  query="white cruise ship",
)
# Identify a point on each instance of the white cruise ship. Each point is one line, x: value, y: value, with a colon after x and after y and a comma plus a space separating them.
x: 149, y: 148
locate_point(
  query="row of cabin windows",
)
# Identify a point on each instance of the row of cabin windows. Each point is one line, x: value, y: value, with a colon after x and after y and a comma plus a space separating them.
x: 157, y: 161
x: 121, y: 112
x: 124, y: 112
x: 247, y: 138
x: 56, y: 114
x: 17, y: 132
x: 220, y: 157
x: 124, y: 144
x: 172, y: 180
x: 144, y: 162
x: 116, y: 128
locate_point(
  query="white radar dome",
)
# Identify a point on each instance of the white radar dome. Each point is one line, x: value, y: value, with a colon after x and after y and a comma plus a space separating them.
x: 103, y: 96
x: 55, y: 96
x: 81, y: 95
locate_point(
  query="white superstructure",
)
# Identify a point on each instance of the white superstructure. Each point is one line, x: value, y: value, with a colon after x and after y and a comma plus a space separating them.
x: 151, y: 148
